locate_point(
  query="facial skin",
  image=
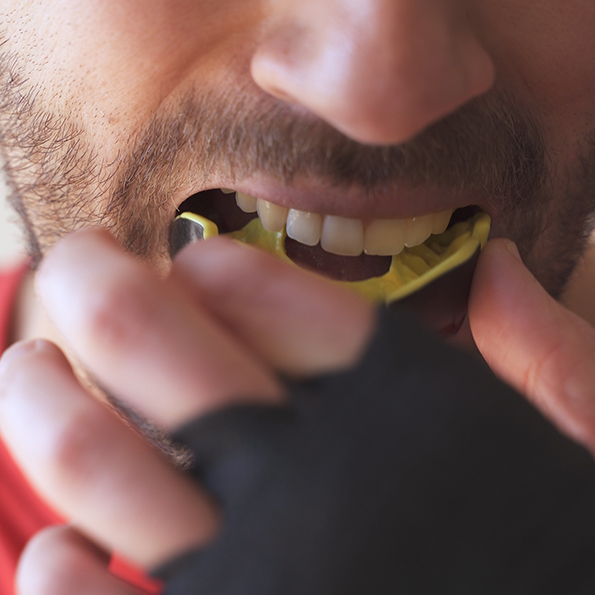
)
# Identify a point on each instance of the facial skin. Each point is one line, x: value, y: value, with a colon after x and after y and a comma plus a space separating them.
x: 114, y: 112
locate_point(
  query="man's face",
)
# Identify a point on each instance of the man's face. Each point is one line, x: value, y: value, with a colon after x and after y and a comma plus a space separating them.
x: 114, y: 112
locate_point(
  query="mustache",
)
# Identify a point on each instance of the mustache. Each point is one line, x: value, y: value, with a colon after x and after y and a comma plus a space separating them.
x: 490, y: 145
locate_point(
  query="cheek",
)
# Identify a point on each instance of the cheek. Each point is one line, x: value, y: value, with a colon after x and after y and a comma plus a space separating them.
x: 147, y: 44
x: 551, y: 45
x: 545, y: 57
x: 111, y: 63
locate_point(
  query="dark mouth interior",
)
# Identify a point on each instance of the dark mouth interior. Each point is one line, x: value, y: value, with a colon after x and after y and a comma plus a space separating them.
x: 222, y: 210
x: 218, y: 207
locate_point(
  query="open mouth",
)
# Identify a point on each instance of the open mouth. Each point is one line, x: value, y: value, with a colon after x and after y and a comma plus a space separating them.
x: 425, y: 263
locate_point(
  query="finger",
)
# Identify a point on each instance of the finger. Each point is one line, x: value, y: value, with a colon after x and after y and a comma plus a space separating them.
x: 297, y: 321
x: 60, y: 561
x: 94, y: 468
x: 533, y: 342
x: 142, y: 338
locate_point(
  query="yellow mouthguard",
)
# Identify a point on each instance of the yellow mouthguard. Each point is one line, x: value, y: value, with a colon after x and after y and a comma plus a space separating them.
x: 409, y: 271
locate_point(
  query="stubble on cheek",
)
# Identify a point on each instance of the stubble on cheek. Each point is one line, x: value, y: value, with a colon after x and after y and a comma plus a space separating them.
x: 45, y: 158
x: 567, y: 220
x: 57, y: 178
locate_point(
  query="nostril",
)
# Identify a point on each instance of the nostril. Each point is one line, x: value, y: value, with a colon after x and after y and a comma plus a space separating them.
x: 279, y: 93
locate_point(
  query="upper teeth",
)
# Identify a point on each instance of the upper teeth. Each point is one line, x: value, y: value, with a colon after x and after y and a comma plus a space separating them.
x: 340, y: 235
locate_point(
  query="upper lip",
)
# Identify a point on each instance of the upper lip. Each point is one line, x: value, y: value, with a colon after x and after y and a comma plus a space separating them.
x: 397, y: 201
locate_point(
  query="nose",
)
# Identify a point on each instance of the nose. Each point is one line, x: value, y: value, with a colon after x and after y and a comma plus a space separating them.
x: 380, y: 71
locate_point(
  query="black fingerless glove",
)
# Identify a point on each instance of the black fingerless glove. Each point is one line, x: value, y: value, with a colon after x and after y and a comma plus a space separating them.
x: 416, y: 472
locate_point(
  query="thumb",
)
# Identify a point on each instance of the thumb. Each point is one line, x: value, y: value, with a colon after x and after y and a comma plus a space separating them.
x: 533, y: 342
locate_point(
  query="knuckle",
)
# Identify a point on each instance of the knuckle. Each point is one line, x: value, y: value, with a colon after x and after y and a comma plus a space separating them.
x: 76, y: 451
x: 118, y: 314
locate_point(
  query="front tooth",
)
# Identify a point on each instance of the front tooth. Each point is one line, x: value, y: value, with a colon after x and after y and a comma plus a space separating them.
x: 272, y: 216
x: 440, y: 221
x: 342, y: 236
x: 246, y: 202
x: 384, y: 237
x: 227, y: 191
x: 417, y: 230
x: 304, y: 227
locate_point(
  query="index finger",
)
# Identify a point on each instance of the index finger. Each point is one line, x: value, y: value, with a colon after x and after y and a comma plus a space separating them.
x: 142, y: 338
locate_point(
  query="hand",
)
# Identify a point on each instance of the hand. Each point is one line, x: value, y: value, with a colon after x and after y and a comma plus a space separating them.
x: 121, y: 320
x: 217, y: 331
x: 535, y: 344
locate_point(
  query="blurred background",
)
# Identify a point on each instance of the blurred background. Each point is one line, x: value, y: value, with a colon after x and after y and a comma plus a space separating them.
x: 11, y: 245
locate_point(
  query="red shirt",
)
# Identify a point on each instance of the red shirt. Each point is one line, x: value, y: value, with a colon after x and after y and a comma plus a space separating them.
x: 22, y: 511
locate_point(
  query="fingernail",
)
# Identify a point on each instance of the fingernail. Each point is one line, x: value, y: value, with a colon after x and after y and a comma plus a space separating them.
x: 15, y: 352
x: 512, y: 248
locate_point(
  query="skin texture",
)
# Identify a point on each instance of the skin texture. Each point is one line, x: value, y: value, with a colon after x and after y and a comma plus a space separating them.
x: 90, y: 88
